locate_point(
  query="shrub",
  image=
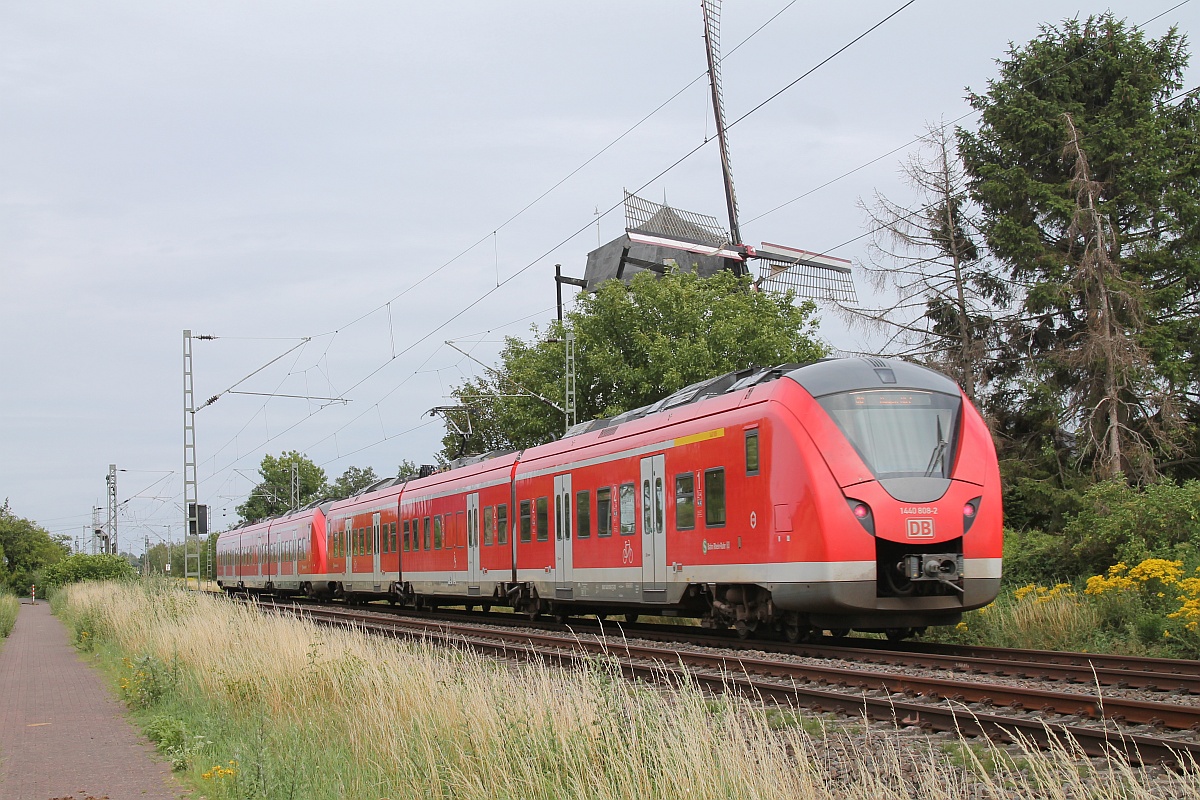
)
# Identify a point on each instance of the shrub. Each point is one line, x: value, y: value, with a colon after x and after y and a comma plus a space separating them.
x: 1035, y: 557
x: 146, y: 681
x: 83, y: 567
x: 1119, y: 523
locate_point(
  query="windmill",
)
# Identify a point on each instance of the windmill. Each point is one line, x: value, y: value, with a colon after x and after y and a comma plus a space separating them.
x: 658, y: 237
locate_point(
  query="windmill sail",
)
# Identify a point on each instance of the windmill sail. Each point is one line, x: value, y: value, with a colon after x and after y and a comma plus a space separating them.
x: 712, y: 46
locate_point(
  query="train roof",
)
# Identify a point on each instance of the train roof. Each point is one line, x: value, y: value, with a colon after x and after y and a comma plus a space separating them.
x: 836, y: 375
x: 696, y: 392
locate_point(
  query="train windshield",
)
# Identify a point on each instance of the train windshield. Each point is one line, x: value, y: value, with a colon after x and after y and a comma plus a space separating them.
x: 899, y: 433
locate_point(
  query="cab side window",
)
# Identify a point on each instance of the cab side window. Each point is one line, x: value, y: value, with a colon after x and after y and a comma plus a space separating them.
x: 752, y: 452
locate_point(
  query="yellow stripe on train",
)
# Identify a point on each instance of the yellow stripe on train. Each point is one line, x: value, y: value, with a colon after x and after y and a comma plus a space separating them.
x: 715, y: 433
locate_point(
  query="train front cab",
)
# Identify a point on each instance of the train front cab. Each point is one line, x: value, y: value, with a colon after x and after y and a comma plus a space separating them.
x: 911, y: 511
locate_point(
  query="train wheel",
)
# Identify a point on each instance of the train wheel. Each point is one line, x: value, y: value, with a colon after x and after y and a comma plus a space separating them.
x: 898, y: 634
x: 486, y: 607
x: 561, y: 616
x: 794, y: 633
x: 839, y: 633
x: 534, y: 609
x: 631, y: 618
x: 743, y: 629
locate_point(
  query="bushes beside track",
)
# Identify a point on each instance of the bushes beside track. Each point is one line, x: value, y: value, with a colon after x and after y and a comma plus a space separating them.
x: 82, y: 567
x: 1121, y: 576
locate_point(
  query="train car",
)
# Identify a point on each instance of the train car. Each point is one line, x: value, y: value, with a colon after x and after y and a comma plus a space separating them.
x: 455, y: 534
x: 280, y: 555
x: 850, y: 493
x: 845, y: 494
x: 363, y: 543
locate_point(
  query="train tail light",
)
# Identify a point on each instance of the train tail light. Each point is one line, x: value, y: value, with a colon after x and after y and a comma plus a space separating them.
x: 862, y: 513
x: 970, y: 512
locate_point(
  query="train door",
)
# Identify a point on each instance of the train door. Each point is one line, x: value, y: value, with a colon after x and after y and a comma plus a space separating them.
x: 563, y: 556
x: 376, y: 571
x: 473, y: 543
x: 654, y: 533
x: 348, y: 548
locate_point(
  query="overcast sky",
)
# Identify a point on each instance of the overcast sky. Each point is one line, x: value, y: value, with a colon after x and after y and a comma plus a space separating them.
x: 268, y: 171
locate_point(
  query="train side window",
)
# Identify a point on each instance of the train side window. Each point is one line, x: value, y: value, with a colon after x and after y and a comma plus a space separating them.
x: 658, y: 502
x: 583, y: 514
x: 426, y: 544
x: 714, y: 497
x: 437, y: 532
x: 392, y: 537
x: 752, y: 452
x: 407, y: 540
x: 604, y: 512
x: 558, y: 520
x: 502, y: 523
x: 543, y: 519
x: 628, y: 497
x: 526, y: 521
x: 685, y: 502
x: 487, y: 526
x: 646, y: 506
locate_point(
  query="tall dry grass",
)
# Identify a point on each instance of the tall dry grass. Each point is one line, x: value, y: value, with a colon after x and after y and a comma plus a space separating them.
x: 9, y: 606
x: 298, y: 710
x: 1057, y: 622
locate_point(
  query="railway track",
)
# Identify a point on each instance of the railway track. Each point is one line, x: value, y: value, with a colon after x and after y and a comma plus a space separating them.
x: 1154, y: 730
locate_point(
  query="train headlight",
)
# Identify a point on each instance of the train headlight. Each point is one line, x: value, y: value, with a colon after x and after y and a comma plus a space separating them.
x: 862, y: 512
x: 970, y: 512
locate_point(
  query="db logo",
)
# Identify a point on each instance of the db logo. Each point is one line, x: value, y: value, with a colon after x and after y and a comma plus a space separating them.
x: 627, y: 554
x: 920, y: 528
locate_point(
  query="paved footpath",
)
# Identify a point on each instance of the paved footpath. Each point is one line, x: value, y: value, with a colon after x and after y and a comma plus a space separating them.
x: 62, y: 734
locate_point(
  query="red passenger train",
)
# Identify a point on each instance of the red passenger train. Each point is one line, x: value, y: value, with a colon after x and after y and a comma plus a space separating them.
x: 846, y: 494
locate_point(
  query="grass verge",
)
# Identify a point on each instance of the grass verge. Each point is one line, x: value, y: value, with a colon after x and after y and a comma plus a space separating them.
x: 9, y: 606
x: 249, y: 705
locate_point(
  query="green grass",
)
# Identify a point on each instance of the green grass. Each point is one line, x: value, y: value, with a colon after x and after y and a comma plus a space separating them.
x: 9, y: 606
x: 250, y: 705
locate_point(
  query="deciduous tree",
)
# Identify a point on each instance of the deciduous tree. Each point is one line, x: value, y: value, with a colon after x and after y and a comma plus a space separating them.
x: 273, y: 495
x: 635, y: 343
x: 352, y: 481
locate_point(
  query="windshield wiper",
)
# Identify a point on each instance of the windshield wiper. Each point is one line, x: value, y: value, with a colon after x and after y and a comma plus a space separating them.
x: 939, y: 451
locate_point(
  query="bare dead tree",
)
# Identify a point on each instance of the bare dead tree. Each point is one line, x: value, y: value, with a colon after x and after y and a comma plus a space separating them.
x: 1114, y: 383
x: 943, y: 298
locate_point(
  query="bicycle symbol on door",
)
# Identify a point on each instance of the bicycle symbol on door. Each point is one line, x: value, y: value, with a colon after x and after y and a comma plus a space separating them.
x: 627, y: 554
